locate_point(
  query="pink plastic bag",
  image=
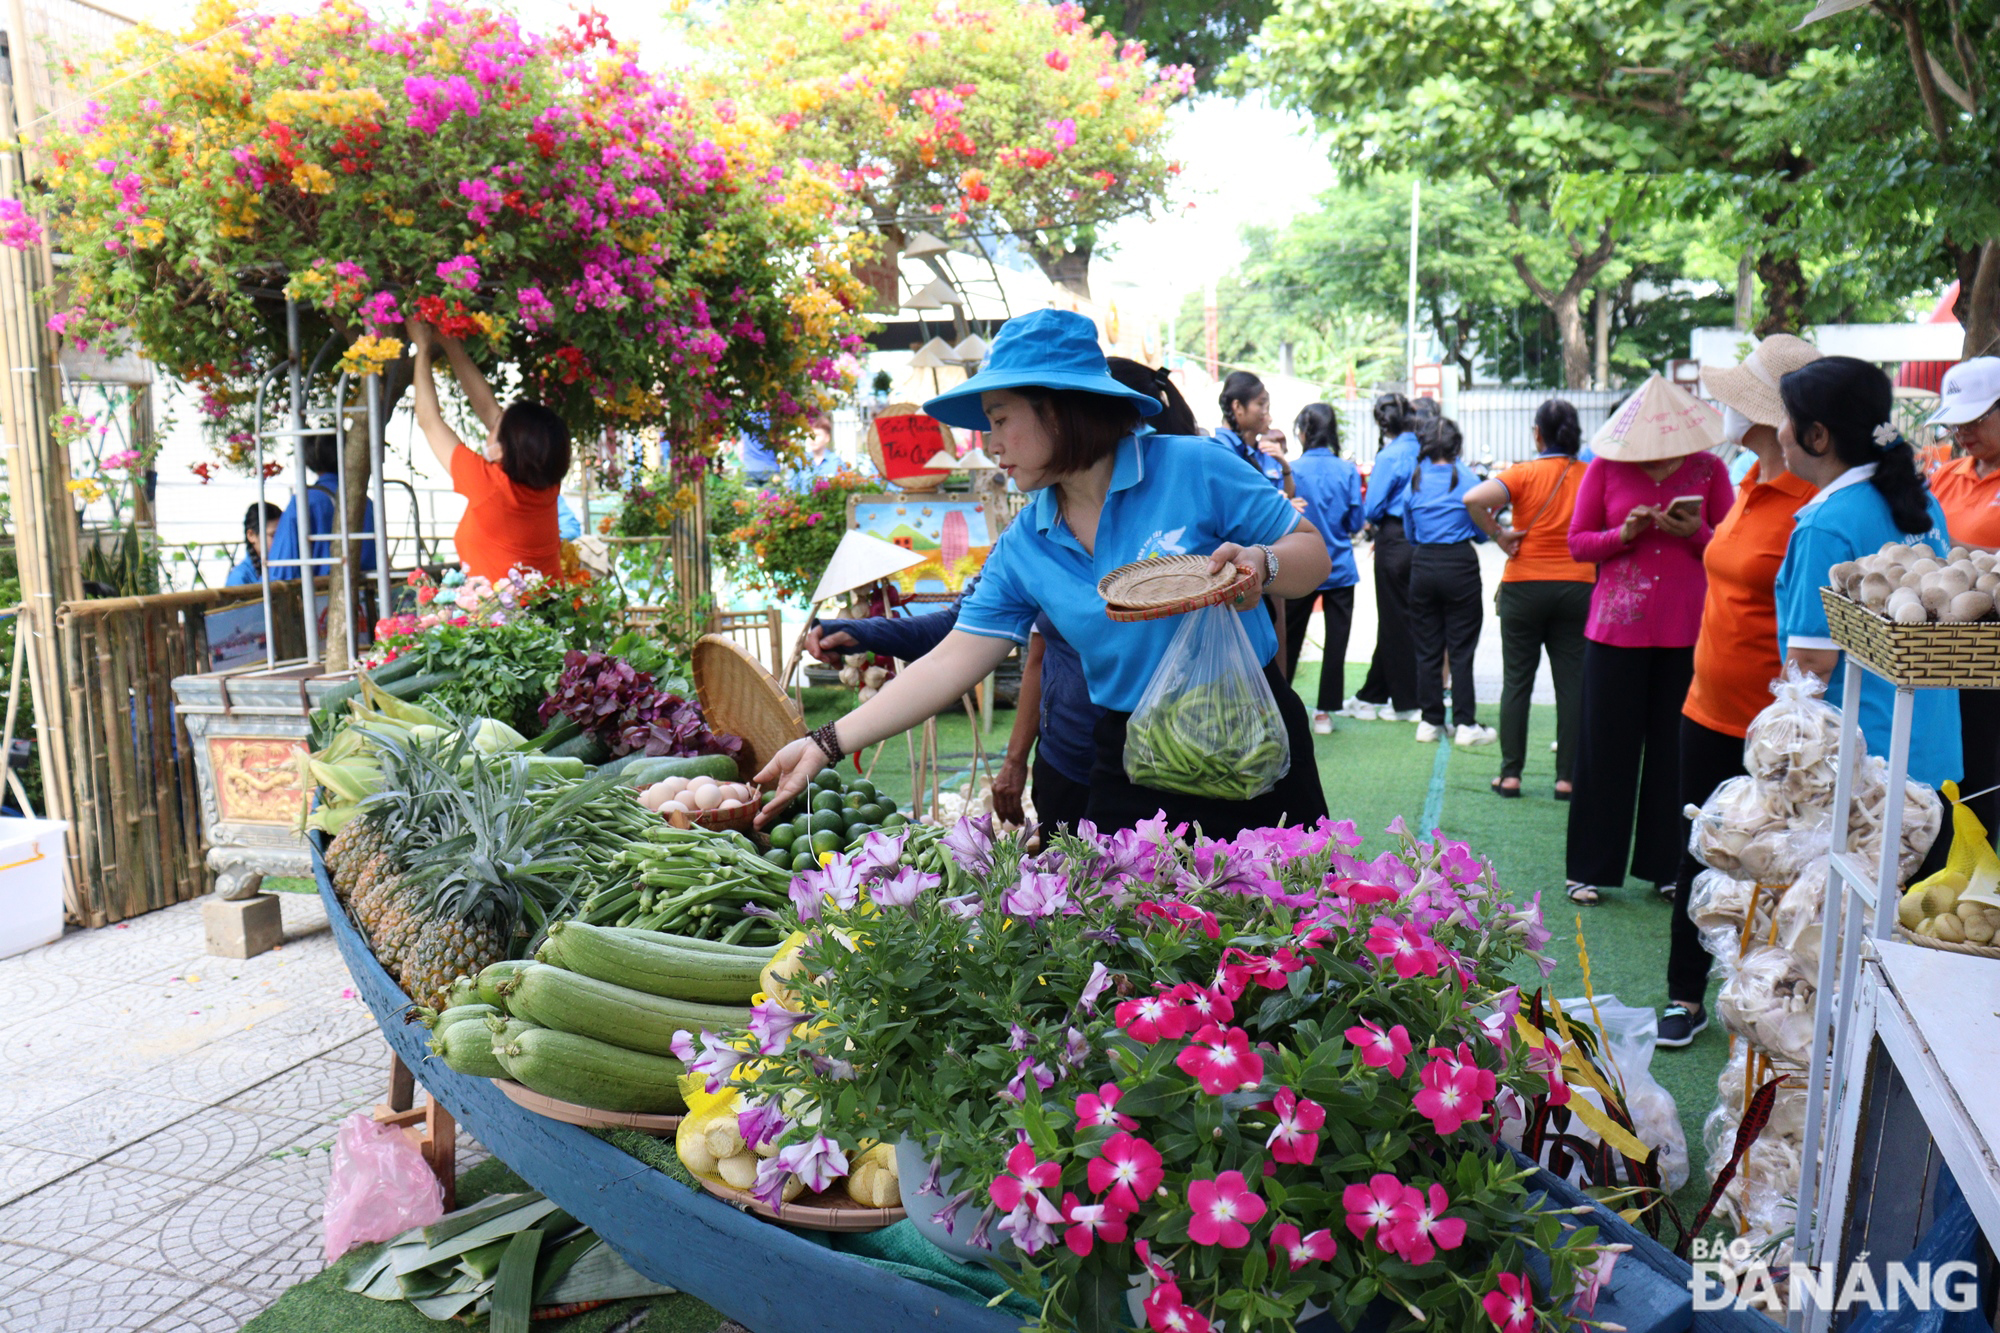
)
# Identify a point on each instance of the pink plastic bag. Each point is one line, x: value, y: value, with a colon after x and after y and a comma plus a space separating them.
x: 381, y: 1186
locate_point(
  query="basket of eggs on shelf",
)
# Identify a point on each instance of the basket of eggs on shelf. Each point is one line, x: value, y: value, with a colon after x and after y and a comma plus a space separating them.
x: 703, y: 802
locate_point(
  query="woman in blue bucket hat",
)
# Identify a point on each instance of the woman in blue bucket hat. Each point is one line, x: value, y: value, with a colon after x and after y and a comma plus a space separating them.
x: 1106, y: 492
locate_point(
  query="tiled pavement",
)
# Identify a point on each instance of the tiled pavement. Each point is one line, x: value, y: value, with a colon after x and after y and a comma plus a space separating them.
x: 166, y: 1122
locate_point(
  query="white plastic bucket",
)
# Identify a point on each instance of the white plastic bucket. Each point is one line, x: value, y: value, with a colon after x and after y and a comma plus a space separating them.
x: 31, y: 902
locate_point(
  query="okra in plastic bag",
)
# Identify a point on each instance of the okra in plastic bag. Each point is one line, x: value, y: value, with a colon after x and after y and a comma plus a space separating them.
x: 1208, y: 724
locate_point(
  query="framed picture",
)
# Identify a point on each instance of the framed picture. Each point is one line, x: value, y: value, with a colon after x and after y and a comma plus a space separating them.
x: 952, y: 532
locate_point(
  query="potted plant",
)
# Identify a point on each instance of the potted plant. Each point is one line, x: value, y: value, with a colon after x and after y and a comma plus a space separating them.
x: 1253, y: 1076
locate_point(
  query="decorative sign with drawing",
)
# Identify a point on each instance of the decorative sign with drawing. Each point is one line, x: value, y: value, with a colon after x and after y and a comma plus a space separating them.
x: 902, y: 439
x: 952, y: 532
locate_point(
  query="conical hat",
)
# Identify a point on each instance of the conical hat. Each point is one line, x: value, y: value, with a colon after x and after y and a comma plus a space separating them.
x: 1659, y: 422
x: 860, y: 560
x: 933, y: 355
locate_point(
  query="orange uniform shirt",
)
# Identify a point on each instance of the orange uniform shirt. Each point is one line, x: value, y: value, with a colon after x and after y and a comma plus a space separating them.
x: 1543, y: 494
x: 505, y: 525
x: 1971, y: 503
x: 1736, y: 658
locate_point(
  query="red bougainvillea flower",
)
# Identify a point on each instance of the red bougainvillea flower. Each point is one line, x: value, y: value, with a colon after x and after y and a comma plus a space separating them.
x: 1223, y: 1208
x: 1422, y: 1229
x: 1377, y: 1204
x: 1204, y: 1006
x: 1087, y: 1221
x: 1510, y: 1305
x: 1382, y: 1050
x: 1295, y: 1138
x: 1126, y: 1172
x: 1449, y: 1095
x: 1151, y: 1018
x: 1298, y: 1250
x: 1098, y: 1110
x: 1166, y: 1314
x: 1220, y: 1059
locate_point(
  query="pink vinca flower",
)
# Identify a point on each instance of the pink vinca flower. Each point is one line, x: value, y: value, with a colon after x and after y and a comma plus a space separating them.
x: 1022, y: 1194
x: 1592, y: 1280
x: 1546, y: 1060
x: 1166, y: 1314
x: 1099, y: 1110
x: 1295, y: 1137
x: 1220, y: 1059
x: 1449, y: 1095
x: 1088, y: 1221
x: 1382, y: 1050
x: 1299, y: 1250
x: 1422, y: 1228
x: 1377, y: 1204
x: 1511, y: 1304
x: 1204, y: 1006
x: 1223, y: 1208
x: 1152, y: 1018
x: 1126, y: 1172
x: 1406, y: 947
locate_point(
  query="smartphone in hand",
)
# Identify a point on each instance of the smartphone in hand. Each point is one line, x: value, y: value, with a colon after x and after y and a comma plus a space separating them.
x: 1685, y: 506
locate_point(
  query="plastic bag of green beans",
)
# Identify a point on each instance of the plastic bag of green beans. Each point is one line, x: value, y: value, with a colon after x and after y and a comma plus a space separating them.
x: 1207, y: 724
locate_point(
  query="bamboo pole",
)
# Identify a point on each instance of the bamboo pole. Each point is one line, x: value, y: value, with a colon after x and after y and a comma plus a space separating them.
x: 187, y: 786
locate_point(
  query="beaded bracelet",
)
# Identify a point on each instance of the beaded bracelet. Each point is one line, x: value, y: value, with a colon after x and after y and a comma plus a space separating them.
x: 828, y: 742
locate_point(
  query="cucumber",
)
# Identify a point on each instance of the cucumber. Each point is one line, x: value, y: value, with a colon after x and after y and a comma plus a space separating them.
x: 458, y: 1013
x: 570, y: 1002
x: 585, y: 745
x: 410, y: 687
x: 467, y: 1048
x: 490, y: 979
x: 642, y: 770
x: 761, y: 952
x: 591, y: 1073
x: 650, y: 964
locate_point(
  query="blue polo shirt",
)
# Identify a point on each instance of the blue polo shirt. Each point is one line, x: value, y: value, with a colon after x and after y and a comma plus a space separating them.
x: 1331, y: 488
x: 1170, y: 495
x: 1273, y: 470
x: 1434, y: 512
x: 1846, y: 521
x: 1394, y: 463
x: 320, y: 519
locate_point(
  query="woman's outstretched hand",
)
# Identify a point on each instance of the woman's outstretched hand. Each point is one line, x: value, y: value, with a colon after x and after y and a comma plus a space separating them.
x: 421, y: 334
x: 788, y: 774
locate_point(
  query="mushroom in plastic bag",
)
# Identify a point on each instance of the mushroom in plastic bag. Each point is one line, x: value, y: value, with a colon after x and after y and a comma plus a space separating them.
x: 1794, y: 744
x: 1739, y: 813
x: 1768, y: 1002
x: 1717, y: 904
x: 1801, y: 913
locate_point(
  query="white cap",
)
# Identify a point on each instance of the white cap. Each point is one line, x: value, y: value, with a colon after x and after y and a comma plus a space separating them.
x: 1969, y: 392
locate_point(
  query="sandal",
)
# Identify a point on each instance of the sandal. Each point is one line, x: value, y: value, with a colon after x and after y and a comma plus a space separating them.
x: 1582, y: 893
x: 1512, y: 793
x: 1562, y: 795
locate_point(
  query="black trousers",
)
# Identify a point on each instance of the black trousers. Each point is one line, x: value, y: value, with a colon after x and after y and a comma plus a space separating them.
x: 1539, y: 614
x: 1445, y: 618
x: 1116, y: 802
x: 1627, y: 807
x: 1392, y: 672
x: 1979, y: 731
x: 1060, y: 800
x: 1337, y: 615
x: 1709, y: 758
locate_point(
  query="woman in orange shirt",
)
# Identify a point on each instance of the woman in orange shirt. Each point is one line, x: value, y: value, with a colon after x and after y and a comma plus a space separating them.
x: 1736, y: 658
x: 1544, y: 598
x: 512, y: 485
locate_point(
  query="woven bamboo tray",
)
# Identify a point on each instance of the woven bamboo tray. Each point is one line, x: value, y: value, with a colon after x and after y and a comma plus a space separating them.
x: 570, y: 1113
x: 740, y: 819
x: 1933, y: 656
x: 831, y: 1211
x: 1976, y: 950
x: 1170, y: 585
x: 740, y: 697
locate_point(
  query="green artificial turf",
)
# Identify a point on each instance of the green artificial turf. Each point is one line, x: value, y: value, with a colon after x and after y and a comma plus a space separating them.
x: 322, y: 1304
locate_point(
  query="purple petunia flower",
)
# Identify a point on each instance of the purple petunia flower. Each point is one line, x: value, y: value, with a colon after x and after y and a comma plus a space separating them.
x: 970, y: 843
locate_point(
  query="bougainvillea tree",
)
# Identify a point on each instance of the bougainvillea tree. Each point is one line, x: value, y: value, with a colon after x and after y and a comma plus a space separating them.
x: 617, y: 244
x: 1019, y: 117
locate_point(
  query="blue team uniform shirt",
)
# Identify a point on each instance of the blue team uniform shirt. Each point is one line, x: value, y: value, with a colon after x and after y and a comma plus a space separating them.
x: 1390, y: 478
x: 1846, y: 521
x: 1170, y: 495
x: 1331, y: 488
x: 285, y: 537
x: 1434, y: 512
x: 244, y: 571
x: 1273, y: 470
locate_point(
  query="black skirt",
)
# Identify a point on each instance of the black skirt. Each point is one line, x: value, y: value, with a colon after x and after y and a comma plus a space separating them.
x: 1116, y: 802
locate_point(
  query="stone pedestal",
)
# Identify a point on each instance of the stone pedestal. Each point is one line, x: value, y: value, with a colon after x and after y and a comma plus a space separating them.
x: 242, y: 927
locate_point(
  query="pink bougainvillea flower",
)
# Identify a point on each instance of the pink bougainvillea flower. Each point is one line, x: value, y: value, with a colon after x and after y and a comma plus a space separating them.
x: 1422, y: 1229
x: 1295, y: 1137
x: 1056, y: 60
x: 1377, y: 1204
x: 1088, y: 1221
x: 1220, y: 1059
x: 1099, y: 1110
x: 1151, y: 1018
x: 1299, y: 1250
x: 1223, y: 1208
x: 1449, y: 1095
x: 1511, y: 1304
x: 1382, y: 1050
x: 1126, y: 1172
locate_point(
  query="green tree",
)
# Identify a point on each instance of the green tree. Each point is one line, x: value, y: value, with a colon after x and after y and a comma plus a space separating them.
x: 1196, y: 33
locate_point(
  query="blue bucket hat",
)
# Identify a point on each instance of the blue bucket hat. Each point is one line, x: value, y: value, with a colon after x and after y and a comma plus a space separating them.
x: 1044, y: 349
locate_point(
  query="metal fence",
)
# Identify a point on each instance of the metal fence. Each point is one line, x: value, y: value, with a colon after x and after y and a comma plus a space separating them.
x: 1498, y: 424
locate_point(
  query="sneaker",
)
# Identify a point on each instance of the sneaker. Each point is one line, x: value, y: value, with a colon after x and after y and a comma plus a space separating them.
x: 1391, y: 715
x: 1680, y: 1025
x: 1359, y: 710
x: 1322, y: 725
x: 1474, y: 734
x: 1428, y: 734
x: 1555, y: 747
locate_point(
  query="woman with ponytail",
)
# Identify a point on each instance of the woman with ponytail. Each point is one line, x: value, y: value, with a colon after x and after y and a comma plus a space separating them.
x: 1389, y: 692
x: 1330, y: 498
x: 1838, y: 436
x: 1246, y: 425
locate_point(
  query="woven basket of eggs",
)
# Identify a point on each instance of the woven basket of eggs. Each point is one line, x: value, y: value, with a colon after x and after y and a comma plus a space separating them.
x: 1918, y: 619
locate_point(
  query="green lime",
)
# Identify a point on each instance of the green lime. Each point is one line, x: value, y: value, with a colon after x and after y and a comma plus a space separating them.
x: 865, y: 788
x: 827, y: 800
x: 873, y: 813
x: 895, y: 820
x: 851, y: 820
x: 828, y: 821
x: 804, y: 861
x: 782, y: 837
x: 826, y: 780
x: 780, y: 857
x: 858, y: 832
x: 826, y: 841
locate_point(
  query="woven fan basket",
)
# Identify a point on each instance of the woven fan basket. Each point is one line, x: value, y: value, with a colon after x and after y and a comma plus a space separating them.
x: 1171, y: 585
x: 740, y: 697
x: 1976, y: 950
x: 1934, y: 656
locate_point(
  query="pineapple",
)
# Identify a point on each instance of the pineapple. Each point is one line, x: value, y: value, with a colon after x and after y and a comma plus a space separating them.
x: 444, y: 950
x: 353, y: 848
